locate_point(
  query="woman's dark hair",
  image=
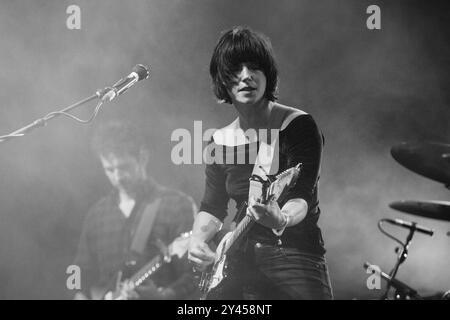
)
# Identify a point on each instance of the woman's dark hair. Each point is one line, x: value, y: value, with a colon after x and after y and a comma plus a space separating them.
x: 242, y: 45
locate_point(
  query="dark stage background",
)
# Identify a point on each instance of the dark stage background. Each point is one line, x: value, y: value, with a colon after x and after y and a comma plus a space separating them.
x: 368, y: 90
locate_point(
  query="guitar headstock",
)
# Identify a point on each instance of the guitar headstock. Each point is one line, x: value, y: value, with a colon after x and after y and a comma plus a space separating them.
x: 283, y: 181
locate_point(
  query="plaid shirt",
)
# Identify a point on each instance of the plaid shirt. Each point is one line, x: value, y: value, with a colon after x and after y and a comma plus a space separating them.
x: 107, y: 234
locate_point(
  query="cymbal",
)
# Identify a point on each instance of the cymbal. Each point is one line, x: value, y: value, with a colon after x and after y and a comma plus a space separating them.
x: 429, y: 159
x: 429, y: 209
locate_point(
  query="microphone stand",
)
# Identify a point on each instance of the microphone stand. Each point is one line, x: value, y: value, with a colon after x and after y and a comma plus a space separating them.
x: 401, y: 287
x: 400, y: 259
x: 43, y: 121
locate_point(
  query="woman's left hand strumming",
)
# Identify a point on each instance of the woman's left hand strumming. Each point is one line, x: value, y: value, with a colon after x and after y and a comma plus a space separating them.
x: 268, y: 215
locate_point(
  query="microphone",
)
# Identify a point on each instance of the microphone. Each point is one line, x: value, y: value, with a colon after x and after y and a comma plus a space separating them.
x: 140, y: 72
x: 410, y: 226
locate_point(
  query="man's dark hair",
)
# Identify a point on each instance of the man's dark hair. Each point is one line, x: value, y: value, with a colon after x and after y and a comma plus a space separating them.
x: 242, y: 45
x: 117, y: 137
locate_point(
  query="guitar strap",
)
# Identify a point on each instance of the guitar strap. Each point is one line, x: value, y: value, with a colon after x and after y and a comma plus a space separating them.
x: 267, y: 160
x: 145, y: 226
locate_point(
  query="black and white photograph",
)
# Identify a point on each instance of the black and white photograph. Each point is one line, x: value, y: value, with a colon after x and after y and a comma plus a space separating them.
x: 224, y: 150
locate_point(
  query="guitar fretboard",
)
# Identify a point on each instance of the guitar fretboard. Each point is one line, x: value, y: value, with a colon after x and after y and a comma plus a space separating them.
x: 241, y: 229
x: 147, y: 270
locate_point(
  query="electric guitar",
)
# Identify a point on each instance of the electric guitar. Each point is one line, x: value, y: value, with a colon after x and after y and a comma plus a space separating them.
x: 272, y: 189
x: 178, y: 248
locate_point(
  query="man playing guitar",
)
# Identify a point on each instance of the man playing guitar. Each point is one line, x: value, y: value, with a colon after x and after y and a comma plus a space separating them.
x: 132, y: 225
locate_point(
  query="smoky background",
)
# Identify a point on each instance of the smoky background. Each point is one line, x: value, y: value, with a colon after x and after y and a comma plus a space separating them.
x: 368, y: 91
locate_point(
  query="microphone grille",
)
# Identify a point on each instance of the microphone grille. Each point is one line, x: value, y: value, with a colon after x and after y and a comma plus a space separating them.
x: 142, y: 71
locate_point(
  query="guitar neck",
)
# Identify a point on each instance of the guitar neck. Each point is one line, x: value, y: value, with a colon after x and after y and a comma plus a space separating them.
x: 147, y: 270
x: 244, y: 226
x: 177, y: 248
x: 277, y: 191
x: 241, y: 229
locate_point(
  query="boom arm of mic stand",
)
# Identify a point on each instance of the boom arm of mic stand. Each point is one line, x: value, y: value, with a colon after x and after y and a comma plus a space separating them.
x: 43, y: 121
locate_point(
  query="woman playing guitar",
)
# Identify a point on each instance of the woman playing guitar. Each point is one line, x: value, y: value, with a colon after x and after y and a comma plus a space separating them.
x: 282, y: 255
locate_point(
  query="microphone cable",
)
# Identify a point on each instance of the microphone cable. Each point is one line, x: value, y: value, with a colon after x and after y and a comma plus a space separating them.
x: 380, y: 223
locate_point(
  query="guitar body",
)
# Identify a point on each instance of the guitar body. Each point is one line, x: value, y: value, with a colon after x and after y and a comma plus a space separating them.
x: 212, y: 279
x: 217, y: 272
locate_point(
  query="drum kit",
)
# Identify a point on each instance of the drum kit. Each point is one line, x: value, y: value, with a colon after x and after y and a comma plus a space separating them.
x: 431, y: 160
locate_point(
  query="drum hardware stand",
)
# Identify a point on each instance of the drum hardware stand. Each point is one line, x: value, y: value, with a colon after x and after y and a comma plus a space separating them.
x: 403, y: 291
x: 400, y: 293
